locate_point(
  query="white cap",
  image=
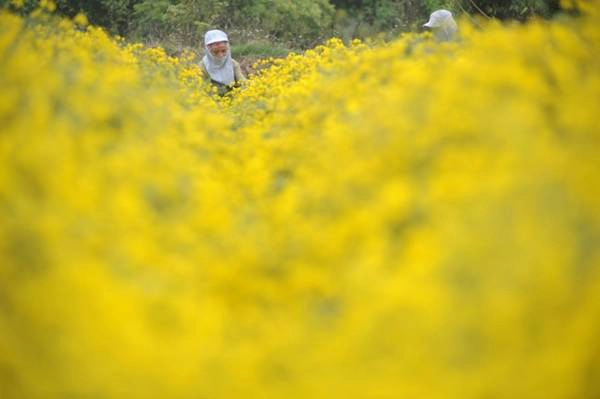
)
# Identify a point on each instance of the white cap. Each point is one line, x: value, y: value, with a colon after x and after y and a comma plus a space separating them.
x: 214, y: 36
x: 438, y: 18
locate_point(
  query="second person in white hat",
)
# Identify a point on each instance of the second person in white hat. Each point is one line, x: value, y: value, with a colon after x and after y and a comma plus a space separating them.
x: 442, y: 25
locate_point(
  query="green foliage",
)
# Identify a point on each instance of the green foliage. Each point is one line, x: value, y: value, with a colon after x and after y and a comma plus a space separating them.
x: 114, y: 15
x: 261, y: 49
x: 300, y: 20
x: 150, y: 17
x: 515, y: 9
x: 186, y: 19
x: 384, y: 13
x: 368, y: 18
x: 303, y: 20
x: 454, y: 6
x: 298, y: 23
x: 404, y: 15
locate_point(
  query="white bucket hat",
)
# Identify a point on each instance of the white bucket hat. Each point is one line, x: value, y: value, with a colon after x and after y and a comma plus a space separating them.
x: 214, y: 36
x: 438, y: 18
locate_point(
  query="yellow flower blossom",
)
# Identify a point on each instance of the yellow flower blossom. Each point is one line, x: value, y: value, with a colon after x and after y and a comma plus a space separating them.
x: 81, y: 19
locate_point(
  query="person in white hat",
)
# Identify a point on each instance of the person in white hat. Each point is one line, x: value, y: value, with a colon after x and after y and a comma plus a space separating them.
x: 218, y: 66
x: 442, y: 25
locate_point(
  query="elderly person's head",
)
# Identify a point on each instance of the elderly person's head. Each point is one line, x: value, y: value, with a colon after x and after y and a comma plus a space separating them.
x: 217, y: 59
x: 216, y: 44
x: 442, y: 25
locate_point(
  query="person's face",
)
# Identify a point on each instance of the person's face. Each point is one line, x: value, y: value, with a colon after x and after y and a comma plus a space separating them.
x: 218, y: 49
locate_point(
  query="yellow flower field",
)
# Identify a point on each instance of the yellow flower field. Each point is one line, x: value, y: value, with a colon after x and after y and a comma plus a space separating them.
x: 393, y: 220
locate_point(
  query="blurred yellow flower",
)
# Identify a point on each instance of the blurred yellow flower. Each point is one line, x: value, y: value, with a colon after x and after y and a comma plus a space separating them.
x: 81, y: 19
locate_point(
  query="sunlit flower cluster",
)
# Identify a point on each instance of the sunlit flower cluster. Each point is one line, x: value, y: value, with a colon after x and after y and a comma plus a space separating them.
x: 380, y: 220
